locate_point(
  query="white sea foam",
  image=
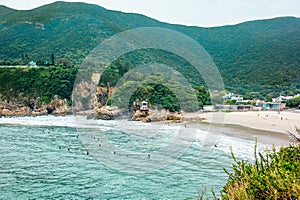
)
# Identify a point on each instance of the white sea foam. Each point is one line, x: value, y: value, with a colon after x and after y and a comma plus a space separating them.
x: 60, y: 121
x: 242, y: 148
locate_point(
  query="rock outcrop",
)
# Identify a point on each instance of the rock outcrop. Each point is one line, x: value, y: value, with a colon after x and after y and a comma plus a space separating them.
x: 33, y: 108
x: 107, y: 112
x: 59, y: 107
x: 141, y: 116
x: 155, y: 115
x: 174, y: 117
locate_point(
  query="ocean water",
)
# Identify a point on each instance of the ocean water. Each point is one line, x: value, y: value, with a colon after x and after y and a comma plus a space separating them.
x: 74, y: 158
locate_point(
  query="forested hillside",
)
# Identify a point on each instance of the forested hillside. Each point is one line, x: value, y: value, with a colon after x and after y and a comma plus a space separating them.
x: 260, y: 56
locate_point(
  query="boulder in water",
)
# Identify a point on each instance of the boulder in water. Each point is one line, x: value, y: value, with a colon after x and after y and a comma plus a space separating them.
x: 107, y: 112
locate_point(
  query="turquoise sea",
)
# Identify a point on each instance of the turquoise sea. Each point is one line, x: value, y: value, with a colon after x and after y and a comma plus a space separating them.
x: 51, y: 157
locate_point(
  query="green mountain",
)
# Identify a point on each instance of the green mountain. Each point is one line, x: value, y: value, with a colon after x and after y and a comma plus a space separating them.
x: 258, y: 56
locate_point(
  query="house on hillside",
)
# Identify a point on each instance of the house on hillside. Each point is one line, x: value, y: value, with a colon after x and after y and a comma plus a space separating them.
x: 284, y: 98
x: 32, y: 64
x: 233, y: 97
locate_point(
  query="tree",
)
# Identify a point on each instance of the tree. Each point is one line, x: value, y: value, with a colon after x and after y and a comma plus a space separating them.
x: 52, y: 59
x: 64, y: 61
x: 202, y: 96
x: 294, y: 102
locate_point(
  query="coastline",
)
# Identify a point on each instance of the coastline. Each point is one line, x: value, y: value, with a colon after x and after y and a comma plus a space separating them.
x: 272, y: 121
x: 191, y: 122
x: 248, y: 133
x: 267, y: 125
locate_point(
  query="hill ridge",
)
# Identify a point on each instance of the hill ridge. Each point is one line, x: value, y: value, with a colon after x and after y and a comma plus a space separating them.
x: 246, y: 53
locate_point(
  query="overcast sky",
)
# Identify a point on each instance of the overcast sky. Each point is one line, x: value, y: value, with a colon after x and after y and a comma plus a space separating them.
x: 205, y: 13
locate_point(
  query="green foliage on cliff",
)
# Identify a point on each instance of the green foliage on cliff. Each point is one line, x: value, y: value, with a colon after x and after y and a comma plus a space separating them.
x: 162, y: 87
x: 169, y: 92
x: 260, y: 56
x: 272, y: 176
x: 37, y: 82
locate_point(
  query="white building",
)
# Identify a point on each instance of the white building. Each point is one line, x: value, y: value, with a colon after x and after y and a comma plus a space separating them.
x: 284, y: 98
x: 233, y: 97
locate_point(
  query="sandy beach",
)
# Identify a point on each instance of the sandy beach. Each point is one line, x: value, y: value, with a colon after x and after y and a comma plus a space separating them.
x: 273, y: 121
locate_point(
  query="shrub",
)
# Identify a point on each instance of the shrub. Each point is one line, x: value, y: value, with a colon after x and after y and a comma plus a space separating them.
x: 294, y: 102
x: 275, y: 175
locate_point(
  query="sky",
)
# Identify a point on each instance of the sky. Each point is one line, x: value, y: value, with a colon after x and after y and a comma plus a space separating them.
x: 204, y: 13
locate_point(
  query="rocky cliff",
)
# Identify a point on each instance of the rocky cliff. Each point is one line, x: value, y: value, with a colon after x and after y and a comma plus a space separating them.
x: 33, y: 107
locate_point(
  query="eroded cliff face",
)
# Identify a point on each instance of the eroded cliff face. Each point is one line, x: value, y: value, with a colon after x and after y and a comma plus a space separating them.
x: 84, y: 97
x: 87, y: 99
x: 103, y: 94
x: 88, y: 96
x: 33, y: 107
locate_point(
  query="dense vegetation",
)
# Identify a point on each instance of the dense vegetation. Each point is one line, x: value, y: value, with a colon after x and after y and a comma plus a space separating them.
x: 259, y: 56
x: 160, y: 86
x: 294, y: 102
x: 272, y: 176
x: 37, y: 83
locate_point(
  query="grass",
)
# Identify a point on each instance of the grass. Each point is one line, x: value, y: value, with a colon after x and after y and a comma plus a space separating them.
x: 275, y: 175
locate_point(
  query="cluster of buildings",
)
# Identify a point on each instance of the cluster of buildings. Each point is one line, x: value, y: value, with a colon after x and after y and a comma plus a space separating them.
x: 284, y: 98
x: 241, y: 104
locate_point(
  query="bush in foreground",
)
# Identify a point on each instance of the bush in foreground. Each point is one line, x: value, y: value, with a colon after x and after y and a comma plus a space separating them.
x: 275, y: 175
